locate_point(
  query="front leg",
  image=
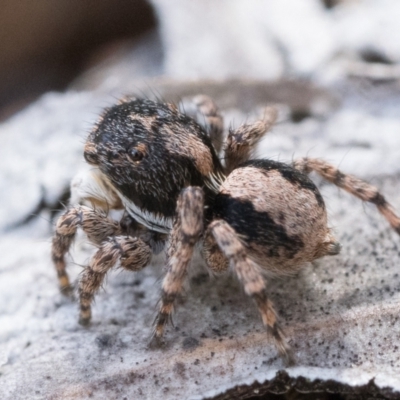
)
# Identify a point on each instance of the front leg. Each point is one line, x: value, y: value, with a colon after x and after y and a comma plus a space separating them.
x: 133, y: 255
x: 185, y: 233
x: 94, y: 223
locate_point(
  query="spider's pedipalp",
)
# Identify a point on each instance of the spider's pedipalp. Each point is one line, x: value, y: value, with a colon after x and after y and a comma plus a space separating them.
x: 185, y: 233
x: 91, y: 188
x: 133, y: 255
x: 94, y: 223
x: 351, y: 184
x: 249, y: 273
x: 206, y: 112
x: 241, y: 141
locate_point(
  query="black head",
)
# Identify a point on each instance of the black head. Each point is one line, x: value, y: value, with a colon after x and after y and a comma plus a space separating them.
x: 150, y: 152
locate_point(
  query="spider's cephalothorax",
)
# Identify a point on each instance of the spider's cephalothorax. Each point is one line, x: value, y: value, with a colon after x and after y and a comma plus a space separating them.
x: 259, y: 217
x: 148, y: 152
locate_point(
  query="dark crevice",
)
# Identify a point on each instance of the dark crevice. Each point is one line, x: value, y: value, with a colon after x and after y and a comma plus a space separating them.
x: 300, y: 115
x: 374, y: 56
x: 284, y: 387
x: 329, y: 4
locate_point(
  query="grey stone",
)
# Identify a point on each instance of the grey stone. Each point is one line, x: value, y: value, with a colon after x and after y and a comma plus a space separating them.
x: 340, y: 314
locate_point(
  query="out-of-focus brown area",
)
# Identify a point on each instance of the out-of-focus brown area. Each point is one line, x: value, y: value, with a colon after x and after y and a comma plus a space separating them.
x: 44, y: 43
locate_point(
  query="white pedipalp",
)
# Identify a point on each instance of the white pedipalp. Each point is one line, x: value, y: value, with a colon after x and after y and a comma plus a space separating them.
x: 150, y: 220
x: 90, y: 186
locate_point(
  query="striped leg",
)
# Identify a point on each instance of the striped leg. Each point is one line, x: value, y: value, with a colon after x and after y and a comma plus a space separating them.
x: 241, y: 141
x: 133, y: 255
x: 351, y: 184
x: 250, y: 275
x: 214, y: 257
x: 185, y: 233
x: 206, y: 113
x: 94, y: 223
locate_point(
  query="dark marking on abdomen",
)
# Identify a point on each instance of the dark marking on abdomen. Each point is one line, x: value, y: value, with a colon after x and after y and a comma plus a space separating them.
x: 257, y: 227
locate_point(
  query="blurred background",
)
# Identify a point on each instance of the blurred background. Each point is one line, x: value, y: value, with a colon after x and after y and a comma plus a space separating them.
x: 46, y: 45
x: 332, y: 66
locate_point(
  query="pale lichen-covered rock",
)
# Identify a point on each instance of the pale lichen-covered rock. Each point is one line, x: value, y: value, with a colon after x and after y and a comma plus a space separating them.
x: 340, y: 314
x: 40, y: 149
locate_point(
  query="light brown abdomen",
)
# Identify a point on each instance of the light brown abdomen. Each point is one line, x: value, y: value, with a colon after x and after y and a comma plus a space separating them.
x: 278, y: 213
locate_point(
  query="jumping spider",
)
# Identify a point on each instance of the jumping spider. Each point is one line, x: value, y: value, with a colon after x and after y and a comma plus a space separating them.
x: 158, y: 164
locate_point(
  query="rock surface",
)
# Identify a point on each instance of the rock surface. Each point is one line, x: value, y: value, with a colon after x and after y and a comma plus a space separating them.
x: 341, y: 314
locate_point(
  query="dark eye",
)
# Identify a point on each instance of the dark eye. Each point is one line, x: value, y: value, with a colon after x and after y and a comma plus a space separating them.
x: 90, y: 158
x: 135, y: 154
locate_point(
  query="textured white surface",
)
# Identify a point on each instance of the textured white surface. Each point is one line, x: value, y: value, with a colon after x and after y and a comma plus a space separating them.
x: 341, y: 314
x: 39, y: 148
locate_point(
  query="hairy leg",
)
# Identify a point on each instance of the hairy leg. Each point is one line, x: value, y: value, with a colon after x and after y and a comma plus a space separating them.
x: 133, y: 255
x: 94, y: 223
x: 351, y: 184
x: 241, y: 141
x: 214, y: 257
x: 185, y: 233
x: 206, y: 113
x: 250, y: 275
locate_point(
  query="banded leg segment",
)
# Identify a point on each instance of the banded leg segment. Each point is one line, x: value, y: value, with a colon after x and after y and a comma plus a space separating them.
x: 214, y: 257
x: 185, y: 233
x: 94, y: 223
x: 241, y: 141
x: 206, y: 113
x: 250, y: 276
x: 352, y: 185
x: 133, y: 255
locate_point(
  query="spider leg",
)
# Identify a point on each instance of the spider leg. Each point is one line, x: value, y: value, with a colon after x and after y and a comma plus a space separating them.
x: 249, y: 273
x: 214, y: 257
x: 184, y: 235
x: 133, y: 255
x: 94, y: 223
x: 241, y: 141
x: 351, y: 184
x: 207, y: 114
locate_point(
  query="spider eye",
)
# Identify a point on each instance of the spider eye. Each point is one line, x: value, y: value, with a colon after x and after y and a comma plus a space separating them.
x: 135, y: 154
x: 91, y: 158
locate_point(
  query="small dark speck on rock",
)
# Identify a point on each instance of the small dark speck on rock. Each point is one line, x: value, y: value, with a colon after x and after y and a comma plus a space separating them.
x: 216, y: 331
x: 190, y: 343
x: 104, y: 341
x: 200, y: 279
x: 179, y: 368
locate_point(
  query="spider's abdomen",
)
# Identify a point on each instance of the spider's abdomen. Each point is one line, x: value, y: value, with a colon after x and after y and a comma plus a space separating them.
x: 278, y: 213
